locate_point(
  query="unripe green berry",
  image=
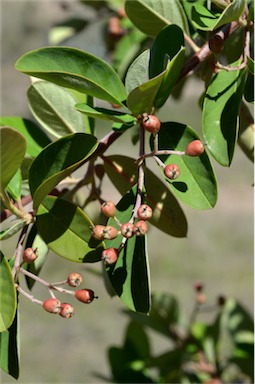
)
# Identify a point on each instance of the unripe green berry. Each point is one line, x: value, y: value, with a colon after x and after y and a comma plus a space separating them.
x: 108, y: 208
x: 52, y: 305
x: 110, y: 256
x: 127, y: 230
x: 85, y: 295
x: 144, y: 212
x: 74, y: 279
x: 30, y: 255
x: 194, y: 148
x: 151, y: 123
x: 172, y: 171
x: 140, y: 228
x: 66, y: 310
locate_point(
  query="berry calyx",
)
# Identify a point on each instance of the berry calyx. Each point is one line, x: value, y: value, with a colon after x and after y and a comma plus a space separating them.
x: 52, y: 305
x: 144, y: 212
x: 85, y: 295
x: 127, y: 230
x: 74, y: 279
x: 66, y: 310
x: 30, y: 255
x: 110, y: 256
x: 172, y: 171
x: 151, y: 124
x: 101, y: 232
x: 140, y: 228
x: 108, y: 208
x: 194, y: 148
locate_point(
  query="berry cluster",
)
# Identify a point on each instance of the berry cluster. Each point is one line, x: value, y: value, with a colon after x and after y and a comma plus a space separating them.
x: 127, y: 230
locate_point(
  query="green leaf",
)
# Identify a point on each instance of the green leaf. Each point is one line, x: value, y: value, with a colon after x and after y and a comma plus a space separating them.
x: 12, y: 152
x: 106, y: 114
x: 9, y: 349
x: 35, y: 137
x: 151, y: 16
x: 208, y: 20
x: 53, y: 107
x: 220, y: 114
x: 167, y: 213
x: 73, y: 68
x: 7, y: 295
x: 196, y: 186
x: 130, y: 276
x: 58, y: 160
x: 12, y: 230
x: 67, y: 231
x: 138, y: 73
x: 15, y: 185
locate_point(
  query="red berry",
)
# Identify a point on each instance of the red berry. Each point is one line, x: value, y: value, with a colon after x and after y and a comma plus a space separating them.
x: 127, y: 230
x: 151, y: 123
x: 144, y: 212
x: 140, y: 228
x: 85, y: 295
x: 30, y: 255
x: 52, y: 305
x: 74, y: 279
x: 108, y: 208
x: 101, y: 232
x: 110, y: 255
x: 172, y: 171
x: 66, y: 310
x: 199, y: 287
x: 194, y: 148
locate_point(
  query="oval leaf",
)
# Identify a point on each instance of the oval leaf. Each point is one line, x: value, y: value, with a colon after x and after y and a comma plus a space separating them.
x: 9, y: 348
x: 167, y: 213
x: 11, y: 231
x: 12, y: 152
x: 138, y: 73
x: 196, y: 186
x: 7, y: 295
x: 67, y: 231
x: 53, y: 107
x: 130, y: 276
x: 57, y: 161
x: 151, y: 16
x: 220, y: 114
x: 73, y: 68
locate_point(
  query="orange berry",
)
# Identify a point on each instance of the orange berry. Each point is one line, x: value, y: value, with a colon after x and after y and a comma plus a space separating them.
x: 172, y: 171
x: 194, y: 148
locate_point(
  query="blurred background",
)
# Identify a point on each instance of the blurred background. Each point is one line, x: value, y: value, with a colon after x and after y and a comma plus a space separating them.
x: 218, y: 250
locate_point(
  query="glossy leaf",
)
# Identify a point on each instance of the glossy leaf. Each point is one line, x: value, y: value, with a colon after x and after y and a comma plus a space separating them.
x: 167, y: 213
x: 66, y: 230
x: 138, y: 73
x: 53, y: 107
x: 196, y: 186
x: 220, y: 114
x: 12, y: 152
x: 14, y: 186
x: 9, y: 349
x: 36, y: 139
x: 106, y: 114
x: 73, y: 68
x: 58, y: 160
x: 207, y: 20
x: 152, y: 16
x: 12, y: 230
x: 7, y: 295
x: 130, y: 276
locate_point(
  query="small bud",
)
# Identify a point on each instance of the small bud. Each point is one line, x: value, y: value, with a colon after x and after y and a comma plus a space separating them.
x: 198, y: 287
x: 127, y: 230
x: 30, y: 255
x: 85, y: 295
x: 144, y: 212
x: 151, y: 123
x: 194, y: 148
x: 66, y: 310
x: 140, y: 228
x: 221, y: 300
x: 108, y: 208
x: 52, y: 305
x: 172, y: 171
x: 110, y: 255
x: 74, y: 279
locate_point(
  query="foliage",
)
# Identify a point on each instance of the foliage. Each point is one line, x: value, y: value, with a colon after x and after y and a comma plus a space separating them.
x: 70, y: 89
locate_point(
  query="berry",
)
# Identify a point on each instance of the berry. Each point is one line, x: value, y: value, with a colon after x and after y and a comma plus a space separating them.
x: 66, y: 310
x: 127, y: 230
x: 30, y: 255
x: 172, y: 171
x: 110, y: 256
x: 216, y: 44
x: 52, y: 305
x: 199, y: 287
x: 144, y: 212
x: 101, y: 232
x: 85, y: 295
x: 221, y: 300
x: 108, y: 208
x: 201, y: 298
x: 194, y: 148
x: 140, y: 228
x: 74, y: 279
x: 151, y: 123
